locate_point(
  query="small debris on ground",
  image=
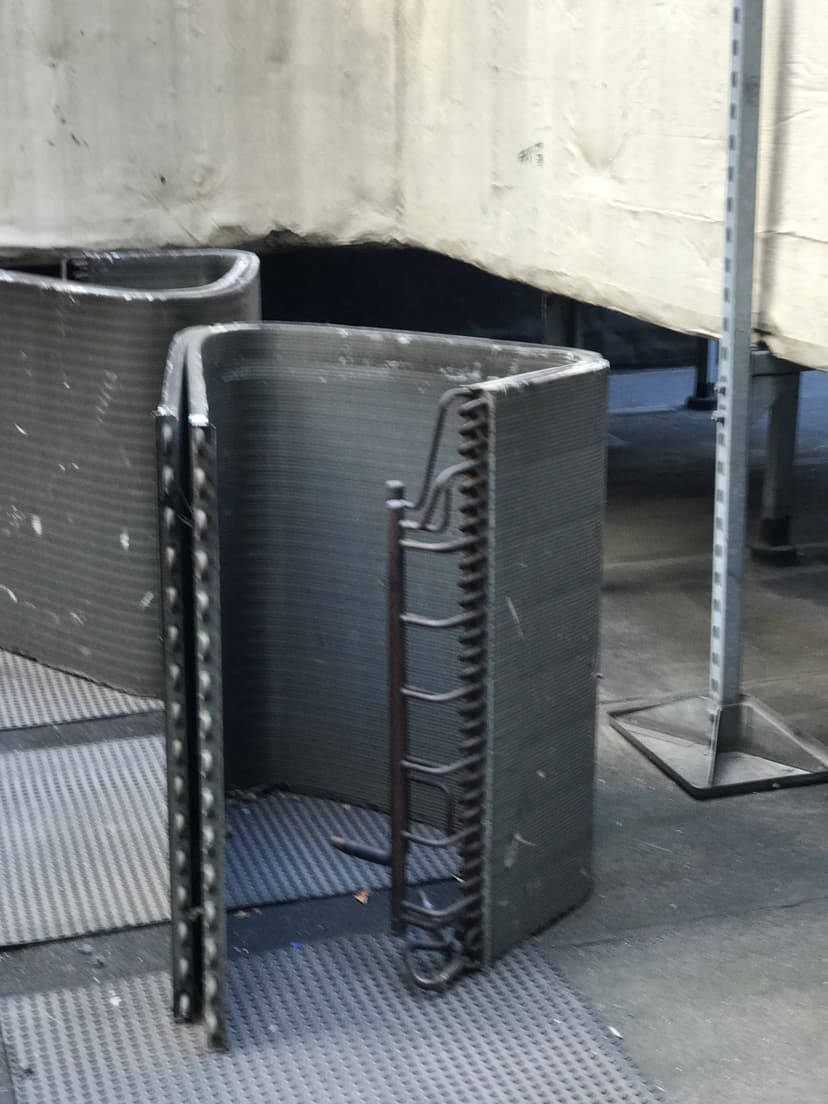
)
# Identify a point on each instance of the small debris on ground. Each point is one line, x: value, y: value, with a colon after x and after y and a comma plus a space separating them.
x: 86, y: 948
x: 362, y: 895
x: 616, y: 1034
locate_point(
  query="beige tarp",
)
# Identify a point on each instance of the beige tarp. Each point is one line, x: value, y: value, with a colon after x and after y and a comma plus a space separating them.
x: 578, y: 145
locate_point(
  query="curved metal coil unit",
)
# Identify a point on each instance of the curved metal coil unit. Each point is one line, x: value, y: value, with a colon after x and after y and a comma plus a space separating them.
x: 81, y: 365
x: 315, y: 610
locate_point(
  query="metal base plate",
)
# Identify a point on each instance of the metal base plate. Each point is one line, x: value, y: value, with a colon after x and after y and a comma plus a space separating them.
x: 778, y: 555
x: 32, y: 695
x: 740, y: 749
x: 83, y: 838
x: 329, y: 1021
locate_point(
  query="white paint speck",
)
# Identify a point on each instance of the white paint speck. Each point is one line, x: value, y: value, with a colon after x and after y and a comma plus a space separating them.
x: 37, y: 525
x: 62, y: 467
x: 9, y: 591
x: 67, y: 385
x: 114, y: 999
x: 20, y: 429
x: 146, y: 601
x: 125, y: 540
x: 106, y: 393
x: 75, y: 466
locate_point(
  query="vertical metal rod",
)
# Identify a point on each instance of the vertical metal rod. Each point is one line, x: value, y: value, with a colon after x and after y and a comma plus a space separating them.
x: 712, y: 359
x: 780, y: 460
x: 704, y: 397
x: 734, y: 386
x: 703, y: 388
x: 397, y: 706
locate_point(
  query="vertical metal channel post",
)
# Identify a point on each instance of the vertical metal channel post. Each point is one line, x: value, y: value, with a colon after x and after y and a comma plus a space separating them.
x: 725, y: 741
x: 733, y: 415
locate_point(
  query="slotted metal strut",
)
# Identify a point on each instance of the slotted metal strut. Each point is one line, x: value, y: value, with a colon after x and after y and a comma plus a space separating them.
x: 724, y: 741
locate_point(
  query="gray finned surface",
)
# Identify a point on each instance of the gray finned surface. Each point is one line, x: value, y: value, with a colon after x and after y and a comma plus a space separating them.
x: 328, y: 1021
x: 547, y: 465
x: 310, y: 422
x: 83, y: 843
x: 81, y: 365
x: 32, y: 695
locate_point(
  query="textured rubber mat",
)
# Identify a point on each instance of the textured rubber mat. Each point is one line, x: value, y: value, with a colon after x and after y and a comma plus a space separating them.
x: 279, y: 850
x: 32, y: 695
x: 325, y: 1022
x: 82, y: 839
x: 83, y: 843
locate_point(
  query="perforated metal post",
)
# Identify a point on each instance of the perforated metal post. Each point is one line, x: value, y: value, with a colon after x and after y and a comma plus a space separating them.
x: 734, y: 384
x: 210, y: 736
x: 182, y: 763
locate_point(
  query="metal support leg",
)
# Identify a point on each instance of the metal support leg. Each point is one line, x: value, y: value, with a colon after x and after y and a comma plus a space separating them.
x: 774, y: 543
x: 561, y: 321
x: 724, y: 742
x: 707, y: 360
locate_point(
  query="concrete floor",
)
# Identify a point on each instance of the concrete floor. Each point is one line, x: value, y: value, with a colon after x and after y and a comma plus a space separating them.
x: 704, y: 942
